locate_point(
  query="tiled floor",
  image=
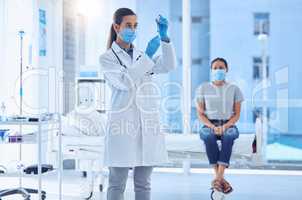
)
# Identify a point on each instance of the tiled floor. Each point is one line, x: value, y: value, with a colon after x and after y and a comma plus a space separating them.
x: 175, y: 186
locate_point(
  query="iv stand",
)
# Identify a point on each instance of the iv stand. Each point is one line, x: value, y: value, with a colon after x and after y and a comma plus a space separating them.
x: 25, y: 192
x: 21, y: 35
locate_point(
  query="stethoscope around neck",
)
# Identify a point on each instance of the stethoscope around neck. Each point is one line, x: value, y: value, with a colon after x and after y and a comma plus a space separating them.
x: 118, y: 58
x: 122, y: 64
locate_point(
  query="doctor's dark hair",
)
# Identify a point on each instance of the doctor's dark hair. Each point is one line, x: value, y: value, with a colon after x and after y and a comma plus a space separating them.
x: 117, y: 19
x: 221, y: 60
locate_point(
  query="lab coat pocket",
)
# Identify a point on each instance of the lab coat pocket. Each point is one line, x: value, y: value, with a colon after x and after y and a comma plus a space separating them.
x: 124, y: 123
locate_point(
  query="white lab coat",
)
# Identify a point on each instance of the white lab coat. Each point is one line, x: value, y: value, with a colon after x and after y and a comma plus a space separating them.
x: 133, y: 136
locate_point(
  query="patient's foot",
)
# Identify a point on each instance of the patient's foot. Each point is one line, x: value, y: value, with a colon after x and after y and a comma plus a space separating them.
x: 217, y: 184
x: 227, y: 188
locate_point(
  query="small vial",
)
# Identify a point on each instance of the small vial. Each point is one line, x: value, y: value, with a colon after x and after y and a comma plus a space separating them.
x: 3, y: 112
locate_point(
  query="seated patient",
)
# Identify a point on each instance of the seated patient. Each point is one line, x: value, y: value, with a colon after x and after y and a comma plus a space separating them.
x: 218, y: 107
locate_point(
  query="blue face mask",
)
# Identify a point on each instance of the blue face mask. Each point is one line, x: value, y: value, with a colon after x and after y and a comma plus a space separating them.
x: 127, y: 35
x: 218, y: 74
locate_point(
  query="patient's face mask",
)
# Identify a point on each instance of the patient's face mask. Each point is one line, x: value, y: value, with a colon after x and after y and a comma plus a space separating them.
x: 218, y: 74
x: 128, y: 35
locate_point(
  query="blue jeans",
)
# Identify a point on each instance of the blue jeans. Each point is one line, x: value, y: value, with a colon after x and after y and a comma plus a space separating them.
x: 216, y: 156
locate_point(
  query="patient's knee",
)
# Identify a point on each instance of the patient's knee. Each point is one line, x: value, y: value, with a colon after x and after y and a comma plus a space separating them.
x: 207, y: 134
x: 231, y: 133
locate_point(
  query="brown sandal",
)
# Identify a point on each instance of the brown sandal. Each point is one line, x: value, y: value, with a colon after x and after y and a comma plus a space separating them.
x: 227, y: 188
x: 217, y: 185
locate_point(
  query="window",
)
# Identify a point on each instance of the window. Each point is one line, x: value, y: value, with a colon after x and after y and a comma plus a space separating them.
x: 195, y: 19
x: 257, y: 68
x: 261, y: 23
x: 195, y: 61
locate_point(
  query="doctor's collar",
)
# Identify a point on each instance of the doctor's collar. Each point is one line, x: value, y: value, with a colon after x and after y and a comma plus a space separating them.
x: 118, y: 48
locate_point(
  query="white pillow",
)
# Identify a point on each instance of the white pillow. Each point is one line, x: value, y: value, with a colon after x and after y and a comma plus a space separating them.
x: 68, y: 129
x: 89, y: 124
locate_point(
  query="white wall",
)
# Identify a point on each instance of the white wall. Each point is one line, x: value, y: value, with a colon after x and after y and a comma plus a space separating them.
x: 14, y: 16
x: 98, y: 27
x: 13, y: 21
x: 50, y: 82
x: 23, y: 15
x: 2, y: 19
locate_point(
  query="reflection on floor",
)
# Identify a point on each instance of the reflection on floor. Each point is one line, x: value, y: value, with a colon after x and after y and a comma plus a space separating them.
x: 248, y: 185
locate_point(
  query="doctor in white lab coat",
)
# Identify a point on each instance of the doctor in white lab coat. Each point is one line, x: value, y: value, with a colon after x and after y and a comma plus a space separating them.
x: 133, y: 138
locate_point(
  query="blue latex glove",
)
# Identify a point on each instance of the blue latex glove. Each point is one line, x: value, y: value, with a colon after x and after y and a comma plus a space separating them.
x: 162, y: 27
x: 152, y: 46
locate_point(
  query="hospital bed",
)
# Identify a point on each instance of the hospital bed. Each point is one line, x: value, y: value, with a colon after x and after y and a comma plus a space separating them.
x: 188, y: 148
x: 83, y: 141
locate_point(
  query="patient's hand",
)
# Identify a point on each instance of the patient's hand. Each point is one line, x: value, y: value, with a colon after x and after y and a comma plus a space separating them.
x: 218, y: 130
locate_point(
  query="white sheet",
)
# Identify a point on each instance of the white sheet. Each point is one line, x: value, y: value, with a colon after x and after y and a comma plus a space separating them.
x: 192, y: 143
x: 84, y: 140
x: 84, y: 124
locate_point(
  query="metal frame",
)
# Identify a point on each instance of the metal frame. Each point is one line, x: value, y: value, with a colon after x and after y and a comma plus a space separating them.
x: 25, y: 192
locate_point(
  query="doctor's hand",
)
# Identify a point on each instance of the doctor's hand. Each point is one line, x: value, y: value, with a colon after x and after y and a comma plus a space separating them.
x: 162, y: 28
x: 152, y: 46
